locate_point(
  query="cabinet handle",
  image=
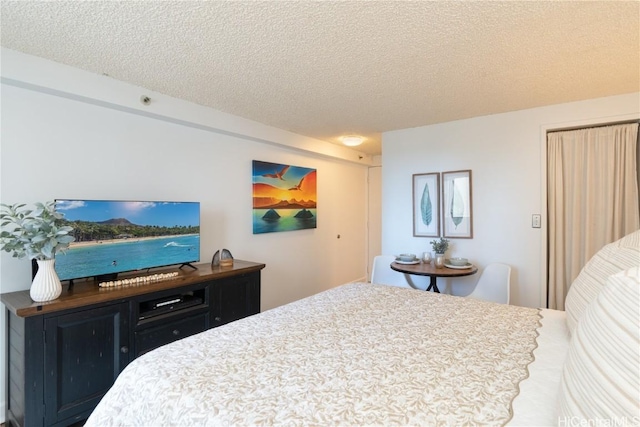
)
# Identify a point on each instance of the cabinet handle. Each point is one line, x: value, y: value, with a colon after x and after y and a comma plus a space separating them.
x: 176, y: 332
x: 218, y: 318
x: 124, y: 349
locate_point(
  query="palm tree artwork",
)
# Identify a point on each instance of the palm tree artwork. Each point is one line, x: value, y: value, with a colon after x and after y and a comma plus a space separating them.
x: 457, y: 204
x: 426, y: 204
x: 426, y: 209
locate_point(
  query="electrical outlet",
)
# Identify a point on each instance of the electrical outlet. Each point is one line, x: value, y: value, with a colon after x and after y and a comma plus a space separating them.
x: 536, y: 219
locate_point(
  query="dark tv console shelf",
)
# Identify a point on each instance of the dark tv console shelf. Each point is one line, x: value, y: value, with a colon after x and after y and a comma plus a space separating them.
x: 63, y: 355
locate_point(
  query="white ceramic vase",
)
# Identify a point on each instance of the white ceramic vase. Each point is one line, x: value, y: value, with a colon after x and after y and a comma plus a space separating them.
x: 46, y: 285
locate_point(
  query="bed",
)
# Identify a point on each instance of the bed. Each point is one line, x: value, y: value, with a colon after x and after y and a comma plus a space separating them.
x: 368, y: 354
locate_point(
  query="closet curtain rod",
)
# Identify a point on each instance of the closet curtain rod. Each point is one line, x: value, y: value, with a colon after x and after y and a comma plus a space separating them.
x: 624, y: 122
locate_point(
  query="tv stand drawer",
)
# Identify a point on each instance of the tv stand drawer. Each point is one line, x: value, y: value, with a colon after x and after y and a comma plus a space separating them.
x: 150, y: 338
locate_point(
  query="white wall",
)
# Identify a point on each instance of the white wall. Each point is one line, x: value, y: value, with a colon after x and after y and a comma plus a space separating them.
x: 71, y: 134
x: 507, y: 157
x: 374, y: 221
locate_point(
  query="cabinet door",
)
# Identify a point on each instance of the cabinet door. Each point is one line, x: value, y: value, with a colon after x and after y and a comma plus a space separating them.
x: 235, y: 298
x: 84, y: 353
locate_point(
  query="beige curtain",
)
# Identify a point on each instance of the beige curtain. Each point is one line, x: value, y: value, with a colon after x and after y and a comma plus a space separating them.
x: 592, y: 198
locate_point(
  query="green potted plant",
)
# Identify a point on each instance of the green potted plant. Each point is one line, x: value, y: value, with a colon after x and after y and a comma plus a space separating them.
x: 440, y: 247
x: 36, y: 234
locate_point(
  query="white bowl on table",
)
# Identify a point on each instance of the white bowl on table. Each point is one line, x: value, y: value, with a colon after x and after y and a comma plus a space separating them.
x: 458, y: 262
x: 406, y: 257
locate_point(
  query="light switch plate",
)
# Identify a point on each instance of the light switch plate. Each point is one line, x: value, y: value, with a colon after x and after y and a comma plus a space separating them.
x: 536, y: 219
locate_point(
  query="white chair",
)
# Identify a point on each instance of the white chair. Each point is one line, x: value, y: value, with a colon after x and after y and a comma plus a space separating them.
x: 382, y: 273
x: 494, y: 284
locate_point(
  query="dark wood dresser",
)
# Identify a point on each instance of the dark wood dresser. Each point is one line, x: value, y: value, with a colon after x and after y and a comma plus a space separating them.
x: 63, y: 355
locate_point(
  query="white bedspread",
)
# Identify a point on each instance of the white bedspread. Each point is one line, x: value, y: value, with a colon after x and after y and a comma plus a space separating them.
x: 358, y: 354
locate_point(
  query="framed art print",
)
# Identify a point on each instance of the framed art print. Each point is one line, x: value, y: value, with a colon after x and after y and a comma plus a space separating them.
x: 284, y: 197
x: 426, y: 204
x: 457, y: 210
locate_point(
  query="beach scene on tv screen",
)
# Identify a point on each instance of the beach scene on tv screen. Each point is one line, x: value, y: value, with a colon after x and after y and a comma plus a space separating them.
x: 117, y: 236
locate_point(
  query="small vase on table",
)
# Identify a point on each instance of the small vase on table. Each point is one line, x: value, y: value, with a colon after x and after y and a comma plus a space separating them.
x: 439, y: 247
x: 439, y: 261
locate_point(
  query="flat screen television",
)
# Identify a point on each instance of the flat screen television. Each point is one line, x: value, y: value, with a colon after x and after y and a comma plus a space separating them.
x: 114, y: 236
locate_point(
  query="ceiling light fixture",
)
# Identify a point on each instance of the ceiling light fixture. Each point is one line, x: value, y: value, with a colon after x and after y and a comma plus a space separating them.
x: 352, y: 140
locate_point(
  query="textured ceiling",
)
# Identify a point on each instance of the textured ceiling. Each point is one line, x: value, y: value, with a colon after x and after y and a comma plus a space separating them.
x: 329, y: 68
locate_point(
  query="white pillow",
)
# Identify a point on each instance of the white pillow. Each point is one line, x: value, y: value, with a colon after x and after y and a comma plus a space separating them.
x: 613, y: 258
x: 600, y: 383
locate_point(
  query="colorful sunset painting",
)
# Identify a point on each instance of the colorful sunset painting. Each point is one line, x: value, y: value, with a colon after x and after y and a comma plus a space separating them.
x: 284, y: 197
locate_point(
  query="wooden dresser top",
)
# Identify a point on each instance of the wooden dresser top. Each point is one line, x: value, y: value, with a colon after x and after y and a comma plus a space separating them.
x: 87, y: 292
